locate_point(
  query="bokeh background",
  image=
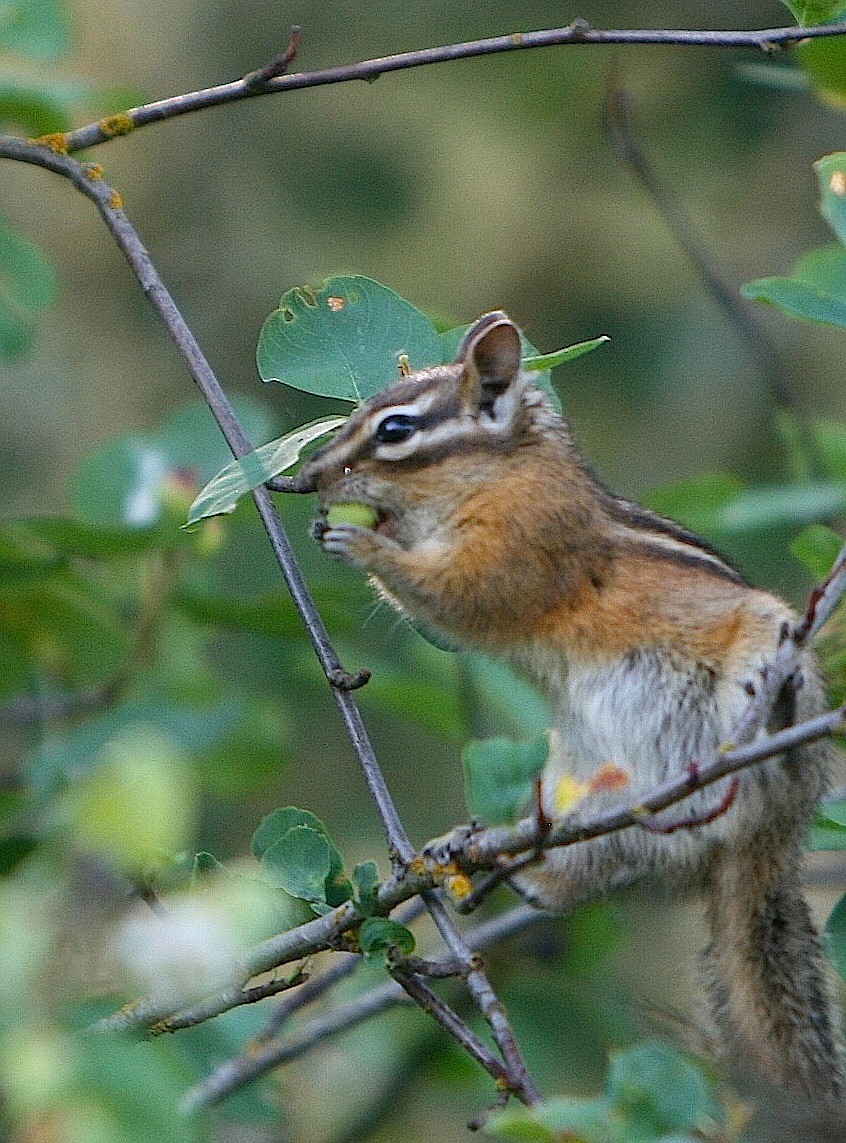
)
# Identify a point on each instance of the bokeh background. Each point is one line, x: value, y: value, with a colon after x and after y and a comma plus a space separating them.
x: 468, y: 186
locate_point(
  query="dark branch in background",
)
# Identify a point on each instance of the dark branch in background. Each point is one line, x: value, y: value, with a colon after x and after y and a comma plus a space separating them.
x: 579, y: 32
x: 763, y: 351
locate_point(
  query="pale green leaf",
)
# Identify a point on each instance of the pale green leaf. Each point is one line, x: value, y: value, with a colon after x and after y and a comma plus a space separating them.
x: 379, y: 935
x: 562, y: 356
x: 223, y: 491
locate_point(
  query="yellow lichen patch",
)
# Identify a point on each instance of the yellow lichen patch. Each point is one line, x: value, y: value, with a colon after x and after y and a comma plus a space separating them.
x: 57, y: 141
x: 95, y: 171
x: 458, y: 886
x: 120, y: 124
x: 568, y: 793
x: 116, y: 201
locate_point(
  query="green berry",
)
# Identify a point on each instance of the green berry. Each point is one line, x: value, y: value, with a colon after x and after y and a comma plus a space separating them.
x: 351, y: 512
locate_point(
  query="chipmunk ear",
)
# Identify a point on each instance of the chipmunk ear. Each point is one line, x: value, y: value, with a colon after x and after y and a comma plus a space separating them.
x: 490, y: 353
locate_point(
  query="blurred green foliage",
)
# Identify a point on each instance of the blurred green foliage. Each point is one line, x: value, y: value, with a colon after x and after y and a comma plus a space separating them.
x: 158, y: 694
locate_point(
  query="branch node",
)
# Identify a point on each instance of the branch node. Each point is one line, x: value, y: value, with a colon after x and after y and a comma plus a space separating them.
x: 278, y: 66
x: 346, y: 680
x: 579, y: 29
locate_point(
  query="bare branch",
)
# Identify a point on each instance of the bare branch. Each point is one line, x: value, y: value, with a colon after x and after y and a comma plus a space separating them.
x: 451, y: 1022
x: 579, y: 32
x: 264, y: 1056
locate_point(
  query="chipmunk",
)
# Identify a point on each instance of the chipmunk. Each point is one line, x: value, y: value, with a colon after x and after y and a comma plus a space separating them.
x: 490, y: 528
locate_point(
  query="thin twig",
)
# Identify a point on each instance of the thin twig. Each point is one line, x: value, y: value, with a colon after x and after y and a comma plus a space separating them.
x: 277, y: 66
x: 693, y: 821
x: 262, y: 1058
x: 578, y: 32
x: 451, y: 1022
x: 237, y: 1073
x: 225, y: 1002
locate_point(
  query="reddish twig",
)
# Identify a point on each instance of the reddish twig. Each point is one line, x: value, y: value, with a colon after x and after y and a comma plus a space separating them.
x: 694, y: 821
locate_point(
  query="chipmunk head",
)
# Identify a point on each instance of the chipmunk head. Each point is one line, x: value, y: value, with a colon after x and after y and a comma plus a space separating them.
x: 414, y: 443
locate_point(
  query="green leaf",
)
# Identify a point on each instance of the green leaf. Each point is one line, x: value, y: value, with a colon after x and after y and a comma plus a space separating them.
x: 719, y: 504
x: 781, y: 504
x: 33, y: 107
x: 817, y: 547
x: 823, y: 62
x: 832, y: 813
x: 825, y: 837
x: 275, y: 825
x: 508, y: 697
x: 659, y: 1090
x: 379, y: 935
x: 37, y: 28
x: 299, y: 862
x: 140, y: 802
x: 831, y: 178
x: 15, y: 849
x: 224, y: 490
x: 344, y: 339
x: 566, y: 1118
x: 562, y: 356
x: 835, y: 931
x: 810, y: 12
x: 365, y: 878
x: 798, y: 299
x: 64, y: 624
x: 824, y: 268
x: 500, y: 776
x: 27, y: 289
x: 70, y: 752
x: 830, y: 447
x: 815, y: 292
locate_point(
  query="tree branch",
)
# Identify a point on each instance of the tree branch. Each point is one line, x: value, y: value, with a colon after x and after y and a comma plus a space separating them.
x: 263, y: 1056
x: 578, y: 32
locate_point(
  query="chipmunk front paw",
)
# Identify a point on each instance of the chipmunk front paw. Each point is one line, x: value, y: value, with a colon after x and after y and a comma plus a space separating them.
x: 351, y: 542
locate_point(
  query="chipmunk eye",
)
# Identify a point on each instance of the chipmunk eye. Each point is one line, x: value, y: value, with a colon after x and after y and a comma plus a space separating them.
x: 396, y: 427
